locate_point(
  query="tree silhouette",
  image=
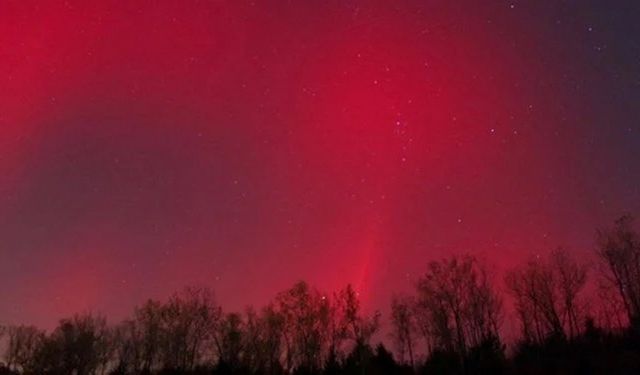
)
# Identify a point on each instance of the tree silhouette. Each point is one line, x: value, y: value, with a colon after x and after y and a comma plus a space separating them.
x: 619, y: 251
x: 79, y: 345
x: 23, y: 341
x: 459, y: 303
x: 450, y: 325
x: 404, y: 327
x: 546, y: 293
x: 188, y: 320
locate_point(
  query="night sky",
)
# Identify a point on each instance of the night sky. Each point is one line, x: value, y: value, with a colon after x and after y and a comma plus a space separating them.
x: 244, y: 146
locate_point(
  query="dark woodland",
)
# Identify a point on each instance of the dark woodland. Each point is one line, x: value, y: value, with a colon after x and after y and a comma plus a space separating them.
x: 451, y: 324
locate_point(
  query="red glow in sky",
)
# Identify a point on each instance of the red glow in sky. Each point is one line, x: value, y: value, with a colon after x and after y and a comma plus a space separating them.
x: 247, y: 146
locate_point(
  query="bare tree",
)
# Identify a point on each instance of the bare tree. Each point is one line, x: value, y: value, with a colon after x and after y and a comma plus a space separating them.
x: 619, y: 252
x: 22, y: 344
x: 537, y: 302
x: 79, y: 345
x: 139, y: 340
x: 483, y: 313
x: 229, y: 339
x: 404, y: 326
x: 611, y: 313
x: 269, y: 339
x: 128, y: 348
x: 188, y: 321
x: 146, y: 333
x: 359, y: 328
x: 457, y: 305
x: 304, y: 312
x: 337, y: 330
x: 572, y: 277
x: 254, y: 354
x: 547, y: 296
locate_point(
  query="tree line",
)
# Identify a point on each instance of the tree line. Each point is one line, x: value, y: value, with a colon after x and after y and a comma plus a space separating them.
x: 450, y: 324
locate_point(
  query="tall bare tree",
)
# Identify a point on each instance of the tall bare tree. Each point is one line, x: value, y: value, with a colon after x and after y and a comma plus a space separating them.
x: 270, y: 339
x: 22, y: 344
x: 229, y: 338
x: 611, y: 313
x: 547, y: 296
x: 263, y: 340
x: 304, y: 311
x: 404, y: 326
x: 360, y: 328
x: 188, y: 320
x: 619, y: 252
x: 572, y: 277
x: 457, y: 305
